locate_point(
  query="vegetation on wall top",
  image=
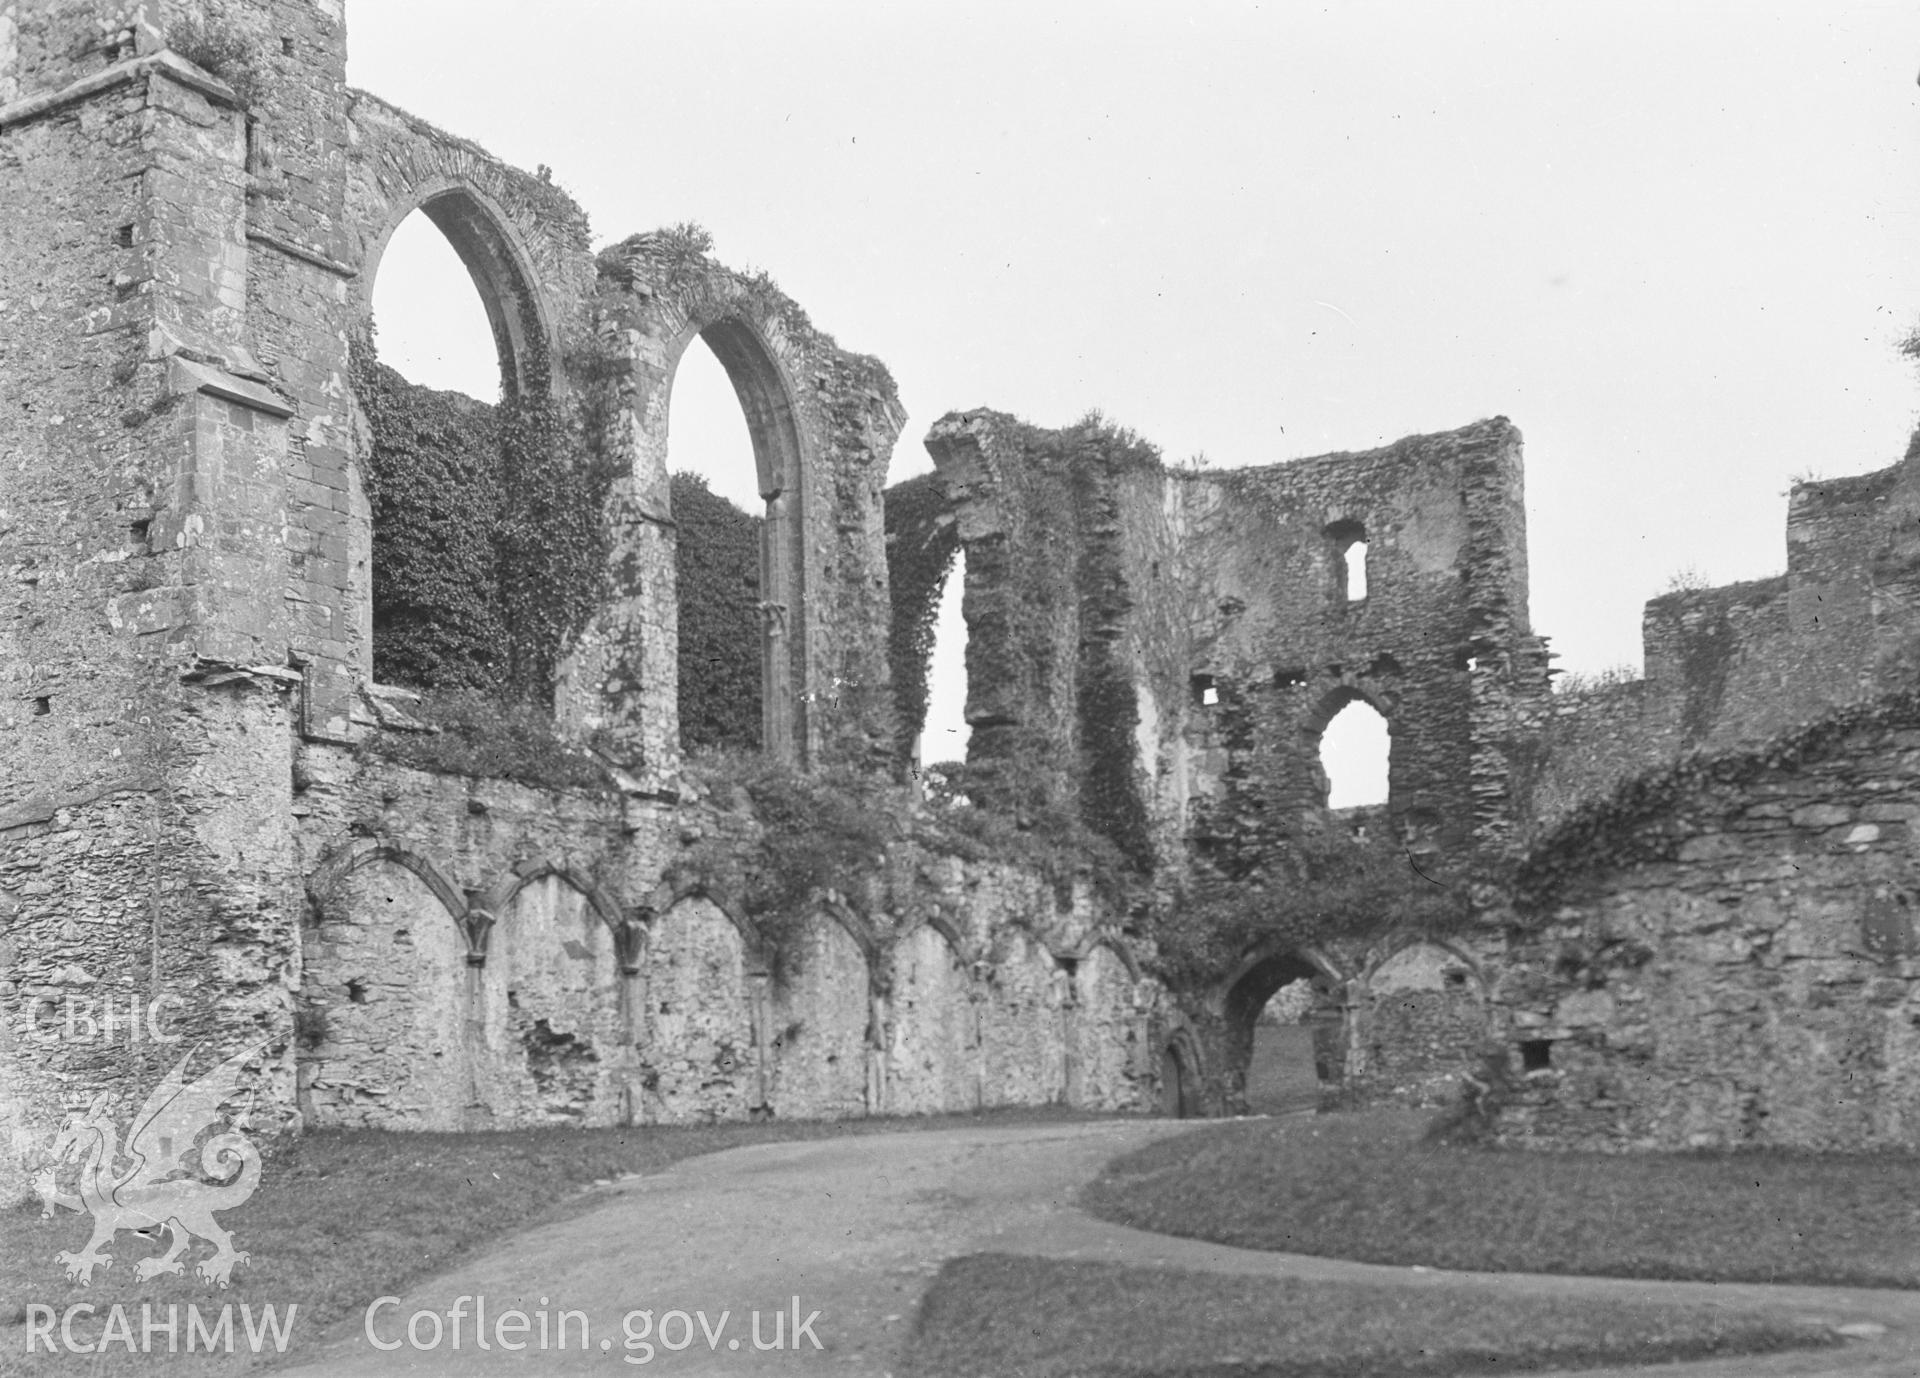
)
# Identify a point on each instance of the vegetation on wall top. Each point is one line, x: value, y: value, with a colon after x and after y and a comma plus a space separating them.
x: 1641, y: 819
x: 466, y: 732
x: 784, y: 838
x: 1332, y: 886
x: 221, y: 50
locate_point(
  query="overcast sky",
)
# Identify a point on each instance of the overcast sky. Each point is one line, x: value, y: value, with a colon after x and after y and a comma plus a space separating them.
x: 1674, y: 243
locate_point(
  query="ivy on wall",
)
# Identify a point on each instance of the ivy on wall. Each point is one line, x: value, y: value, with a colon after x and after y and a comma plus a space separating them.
x: 469, y: 732
x: 717, y: 574
x: 555, y: 545
x: 1111, y: 799
x: 490, y: 543
x: 434, y: 485
x: 1330, y: 888
x: 922, y: 541
x: 1057, y: 581
x: 1646, y: 817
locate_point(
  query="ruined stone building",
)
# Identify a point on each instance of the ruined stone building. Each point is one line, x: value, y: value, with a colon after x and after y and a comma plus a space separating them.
x: 213, y: 810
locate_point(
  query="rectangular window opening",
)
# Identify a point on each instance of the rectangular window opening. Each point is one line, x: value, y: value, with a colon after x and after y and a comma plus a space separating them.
x: 1536, y: 1054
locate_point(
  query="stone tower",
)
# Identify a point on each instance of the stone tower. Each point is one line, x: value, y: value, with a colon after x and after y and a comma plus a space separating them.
x: 173, y: 314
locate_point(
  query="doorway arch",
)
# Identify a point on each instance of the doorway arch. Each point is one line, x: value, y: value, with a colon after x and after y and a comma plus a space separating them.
x: 1317, y: 1056
x: 1176, y: 1078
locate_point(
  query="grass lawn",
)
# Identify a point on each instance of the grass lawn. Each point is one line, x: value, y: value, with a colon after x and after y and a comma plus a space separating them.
x: 996, y: 1314
x: 341, y: 1217
x: 1366, y: 1186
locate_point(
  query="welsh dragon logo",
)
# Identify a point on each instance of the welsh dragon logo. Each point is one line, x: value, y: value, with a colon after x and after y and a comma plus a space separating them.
x: 160, y: 1186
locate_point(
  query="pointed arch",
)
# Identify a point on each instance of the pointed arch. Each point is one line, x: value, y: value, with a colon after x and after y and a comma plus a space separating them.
x: 497, y: 258
x: 767, y: 399
x: 1328, y: 706
x: 963, y: 951
x: 1183, y: 1073
x: 750, y: 935
x: 857, y: 928
x: 1082, y: 951
x: 500, y: 894
x: 765, y: 391
x: 342, y: 861
x: 1398, y: 943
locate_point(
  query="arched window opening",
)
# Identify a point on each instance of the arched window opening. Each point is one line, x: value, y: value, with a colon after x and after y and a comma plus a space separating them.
x: 1356, y: 556
x: 717, y: 511
x: 427, y: 378
x: 1349, y: 558
x: 944, y: 738
x: 1355, y: 751
x: 432, y: 325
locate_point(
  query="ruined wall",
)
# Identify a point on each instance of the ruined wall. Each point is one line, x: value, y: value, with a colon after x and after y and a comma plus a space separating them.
x: 1161, y: 650
x: 1438, y: 645
x: 481, y: 953
x: 1735, y: 665
x: 189, y: 523
x: 1724, y: 953
x: 822, y: 421
x: 1207, y: 616
x: 1421, y: 1019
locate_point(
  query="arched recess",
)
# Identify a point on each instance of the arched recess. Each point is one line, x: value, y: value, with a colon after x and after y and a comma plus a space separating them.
x: 1022, y: 1035
x: 1323, y: 1048
x: 1104, y: 1028
x: 821, y: 1019
x: 1425, y: 1018
x: 342, y: 861
x: 697, y: 1045
x: 501, y: 267
x: 754, y: 948
x: 383, y: 995
x: 549, y: 1027
x: 766, y: 397
x: 1182, y: 1075
x: 933, y: 1046
x: 500, y: 894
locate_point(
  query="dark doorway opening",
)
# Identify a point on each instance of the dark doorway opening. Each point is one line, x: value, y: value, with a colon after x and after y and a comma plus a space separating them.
x: 1176, y: 1084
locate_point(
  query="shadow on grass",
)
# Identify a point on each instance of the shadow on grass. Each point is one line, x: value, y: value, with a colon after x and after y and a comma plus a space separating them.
x: 1367, y: 1186
x: 993, y: 1314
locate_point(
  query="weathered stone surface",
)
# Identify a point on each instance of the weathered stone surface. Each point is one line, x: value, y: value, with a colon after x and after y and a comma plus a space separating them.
x: 1762, y: 991
x: 192, y: 834
x: 186, y: 533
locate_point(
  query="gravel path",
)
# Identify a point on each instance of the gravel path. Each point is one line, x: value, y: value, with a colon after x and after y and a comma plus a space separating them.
x: 854, y: 1229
